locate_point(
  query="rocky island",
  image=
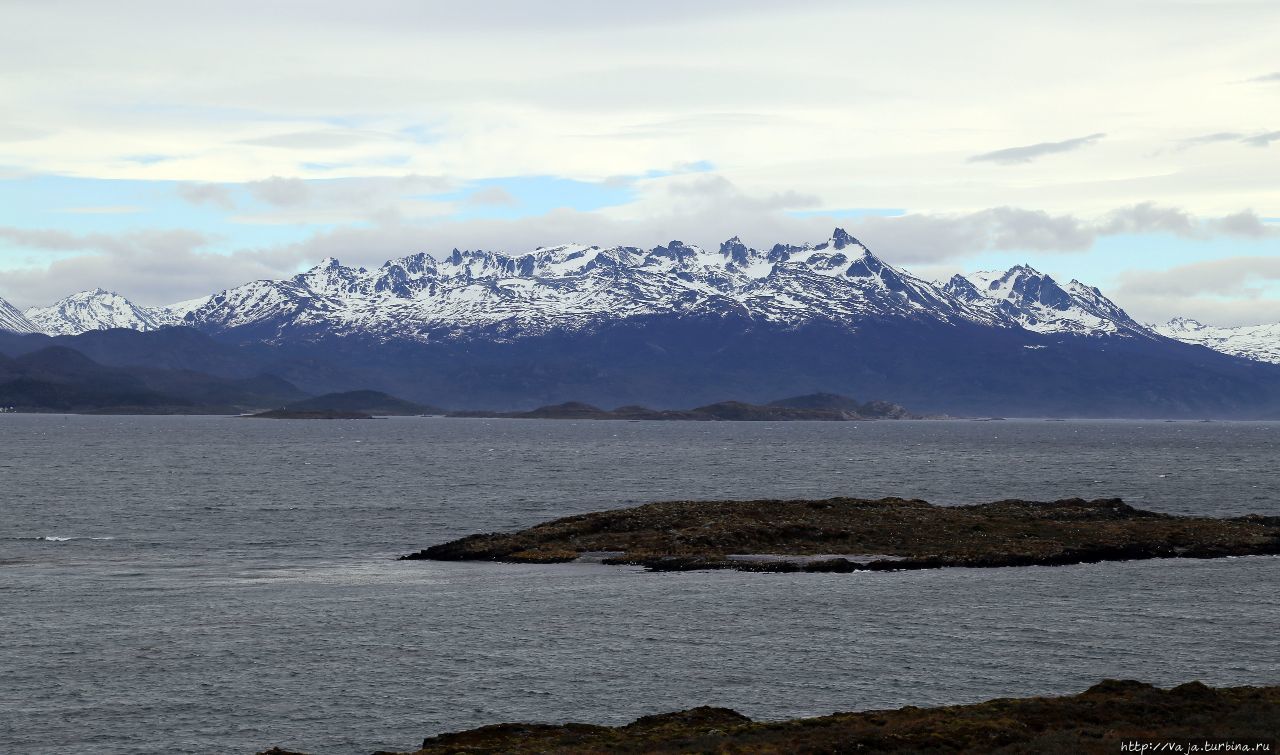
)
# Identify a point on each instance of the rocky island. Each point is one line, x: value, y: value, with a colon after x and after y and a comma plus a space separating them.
x: 852, y: 534
x: 1097, y: 720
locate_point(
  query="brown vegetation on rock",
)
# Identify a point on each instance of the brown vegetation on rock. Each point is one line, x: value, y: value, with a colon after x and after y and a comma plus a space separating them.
x: 1097, y: 720
x: 884, y: 534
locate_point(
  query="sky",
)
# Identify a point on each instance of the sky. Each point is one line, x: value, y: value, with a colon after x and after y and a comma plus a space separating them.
x: 170, y: 150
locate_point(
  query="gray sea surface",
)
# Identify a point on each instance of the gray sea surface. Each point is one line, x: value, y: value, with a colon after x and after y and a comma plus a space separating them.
x: 221, y: 585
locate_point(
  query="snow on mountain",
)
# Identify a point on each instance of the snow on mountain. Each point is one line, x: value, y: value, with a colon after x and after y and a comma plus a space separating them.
x: 173, y: 314
x: 573, y: 287
x: 95, y: 310
x: 1032, y: 300
x: 12, y: 320
x: 1258, y: 342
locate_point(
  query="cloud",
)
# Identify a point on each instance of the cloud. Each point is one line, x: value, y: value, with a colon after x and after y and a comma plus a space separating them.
x: 13, y: 133
x: 711, y: 191
x: 206, y: 193
x: 930, y: 238
x: 281, y: 192
x: 152, y: 267
x: 159, y: 267
x: 1221, y: 136
x: 1244, y: 224
x: 337, y: 139
x: 1261, y: 140
x: 708, y: 209
x: 1016, y: 155
x: 336, y: 193
x: 292, y: 200
x: 493, y: 195
x: 1238, y: 290
x: 1147, y: 218
x: 1266, y: 78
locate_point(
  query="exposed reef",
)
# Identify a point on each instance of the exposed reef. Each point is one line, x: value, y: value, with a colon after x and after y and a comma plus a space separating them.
x: 851, y: 534
x: 1098, y: 720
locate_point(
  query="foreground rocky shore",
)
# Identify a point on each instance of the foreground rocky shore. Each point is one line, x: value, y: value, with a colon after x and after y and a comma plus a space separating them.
x: 1101, y: 719
x: 851, y: 534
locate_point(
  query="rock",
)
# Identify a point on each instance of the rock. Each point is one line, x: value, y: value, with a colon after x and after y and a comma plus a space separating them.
x: 886, y: 535
x: 1095, y: 721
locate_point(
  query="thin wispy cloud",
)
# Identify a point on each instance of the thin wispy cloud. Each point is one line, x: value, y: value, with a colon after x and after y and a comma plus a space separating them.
x: 1261, y: 140
x: 1221, y: 136
x: 307, y: 140
x: 1017, y: 155
x: 1267, y: 78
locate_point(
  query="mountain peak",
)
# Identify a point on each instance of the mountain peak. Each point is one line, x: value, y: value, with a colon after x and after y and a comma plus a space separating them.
x: 14, y: 321
x: 840, y: 238
x: 962, y: 288
x: 95, y: 309
x: 1184, y: 324
x: 1036, y: 302
x: 735, y: 250
x: 1025, y: 269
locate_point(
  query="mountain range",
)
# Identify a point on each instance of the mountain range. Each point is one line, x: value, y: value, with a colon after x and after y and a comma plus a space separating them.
x: 677, y: 324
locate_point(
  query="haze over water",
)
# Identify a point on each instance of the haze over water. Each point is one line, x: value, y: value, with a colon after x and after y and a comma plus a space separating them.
x: 217, y: 585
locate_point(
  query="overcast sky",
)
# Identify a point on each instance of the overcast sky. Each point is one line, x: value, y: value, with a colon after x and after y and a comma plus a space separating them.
x: 167, y: 150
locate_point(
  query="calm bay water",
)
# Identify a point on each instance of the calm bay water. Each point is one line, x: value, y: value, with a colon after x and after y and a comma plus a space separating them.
x: 218, y: 585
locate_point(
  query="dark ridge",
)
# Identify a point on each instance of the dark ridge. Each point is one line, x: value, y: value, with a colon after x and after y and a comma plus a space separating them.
x: 60, y: 379
x: 362, y: 402
x: 732, y: 411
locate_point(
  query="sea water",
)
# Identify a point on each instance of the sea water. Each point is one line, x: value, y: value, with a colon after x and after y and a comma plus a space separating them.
x: 221, y: 585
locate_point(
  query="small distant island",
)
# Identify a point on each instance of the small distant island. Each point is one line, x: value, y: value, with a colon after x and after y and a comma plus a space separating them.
x: 349, y: 405
x: 1097, y: 720
x: 308, y: 414
x: 811, y: 407
x: 852, y: 534
x: 822, y: 407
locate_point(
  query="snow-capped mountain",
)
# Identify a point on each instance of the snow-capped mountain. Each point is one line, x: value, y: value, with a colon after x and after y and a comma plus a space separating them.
x: 1260, y: 343
x: 573, y: 287
x: 97, y: 310
x: 678, y: 325
x: 1034, y: 301
x: 13, y: 321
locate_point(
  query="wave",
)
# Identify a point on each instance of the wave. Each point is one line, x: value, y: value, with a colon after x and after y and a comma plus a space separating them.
x: 62, y: 538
